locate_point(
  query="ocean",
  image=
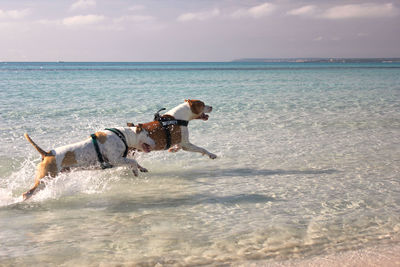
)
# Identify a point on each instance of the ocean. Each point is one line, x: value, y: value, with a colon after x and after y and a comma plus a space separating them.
x: 308, y: 167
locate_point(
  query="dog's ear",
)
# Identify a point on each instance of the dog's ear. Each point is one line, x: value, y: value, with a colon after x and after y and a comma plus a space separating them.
x: 196, y: 106
x: 139, y: 128
x: 130, y: 124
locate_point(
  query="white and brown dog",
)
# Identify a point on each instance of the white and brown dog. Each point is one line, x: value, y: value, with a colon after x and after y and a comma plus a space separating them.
x: 167, y: 133
x: 83, y: 154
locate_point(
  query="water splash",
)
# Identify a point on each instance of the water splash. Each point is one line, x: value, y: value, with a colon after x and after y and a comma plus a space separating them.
x: 92, y: 181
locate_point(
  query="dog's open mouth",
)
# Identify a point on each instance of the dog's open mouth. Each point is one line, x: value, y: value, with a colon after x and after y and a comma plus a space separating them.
x: 146, y: 148
x: 203, y: 117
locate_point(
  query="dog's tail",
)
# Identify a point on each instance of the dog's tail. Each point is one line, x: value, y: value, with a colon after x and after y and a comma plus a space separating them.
x: 41, y: 151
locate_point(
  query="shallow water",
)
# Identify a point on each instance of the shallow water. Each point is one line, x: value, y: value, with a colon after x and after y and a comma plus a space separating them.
x: 308, y: 163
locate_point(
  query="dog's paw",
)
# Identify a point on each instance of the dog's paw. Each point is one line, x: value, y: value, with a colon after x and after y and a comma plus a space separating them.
x: 135, y: 172
x: 174, y: 149
x: 212, y: 156
x: 27, y: 195
x: 143, y: 169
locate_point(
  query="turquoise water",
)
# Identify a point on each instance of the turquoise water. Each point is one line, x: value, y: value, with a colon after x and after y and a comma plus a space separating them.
x: 308, y: 163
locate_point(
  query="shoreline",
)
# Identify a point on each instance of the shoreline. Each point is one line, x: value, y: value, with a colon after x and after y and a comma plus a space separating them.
x: 378, y: 255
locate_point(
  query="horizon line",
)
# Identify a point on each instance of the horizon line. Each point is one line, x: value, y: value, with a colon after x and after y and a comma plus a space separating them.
x: 226, y: 61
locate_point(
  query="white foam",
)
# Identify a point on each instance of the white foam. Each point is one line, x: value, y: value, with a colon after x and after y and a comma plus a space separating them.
x: 65, y: 184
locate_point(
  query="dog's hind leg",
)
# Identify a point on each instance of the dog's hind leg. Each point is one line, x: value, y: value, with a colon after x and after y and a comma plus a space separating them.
x: 48, y: 167
x: 31, y: 191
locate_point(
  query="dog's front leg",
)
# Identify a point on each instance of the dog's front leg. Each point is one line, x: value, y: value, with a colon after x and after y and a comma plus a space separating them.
x: 141, y: 168
x: 131, y: 162
x: 193, y: 148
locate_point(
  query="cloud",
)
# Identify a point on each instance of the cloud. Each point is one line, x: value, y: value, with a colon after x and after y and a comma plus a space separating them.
x: 362, y: 34
x: 14, y: 14
x: 135, y: 18
x: 83, y: 4
x: 82, y: 20
x: 360, y: 11
x: 48, y: 22
x: 327, y: 39
x: 303, y: 11
x: 255, y: 12
x: 137, y: 8
x: 199, y: 15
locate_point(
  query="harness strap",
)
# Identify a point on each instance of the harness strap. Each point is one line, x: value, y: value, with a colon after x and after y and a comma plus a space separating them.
x: 103, y: 164
x: 122, y: 137
x: 165, y: 122
x: 157, y: 115
x: 169, y: 121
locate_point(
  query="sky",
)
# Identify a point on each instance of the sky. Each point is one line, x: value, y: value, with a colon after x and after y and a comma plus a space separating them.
x: 202, y: 30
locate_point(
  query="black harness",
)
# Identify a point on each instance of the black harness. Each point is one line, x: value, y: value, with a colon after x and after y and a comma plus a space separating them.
x: 164, y: 123
x: 104, y: 164
x: 167, y: 121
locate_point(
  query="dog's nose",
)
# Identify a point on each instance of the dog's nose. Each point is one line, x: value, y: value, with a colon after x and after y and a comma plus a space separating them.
x: 210, y: 108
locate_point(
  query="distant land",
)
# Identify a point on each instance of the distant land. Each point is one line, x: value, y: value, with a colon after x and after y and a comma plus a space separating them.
x: 320, y: 60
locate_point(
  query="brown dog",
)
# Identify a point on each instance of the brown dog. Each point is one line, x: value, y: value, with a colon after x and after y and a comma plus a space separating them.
x: 171, y: 131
